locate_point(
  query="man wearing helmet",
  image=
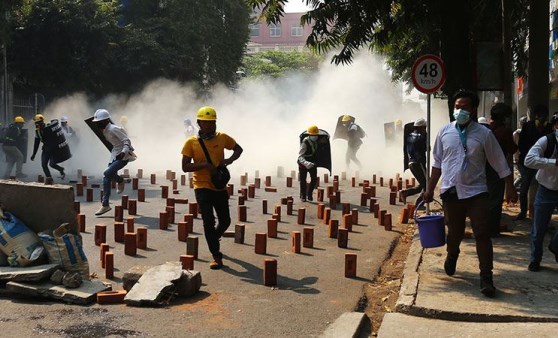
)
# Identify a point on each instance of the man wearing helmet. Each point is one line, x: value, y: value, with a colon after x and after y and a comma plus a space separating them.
x: 415, y: 148
x: 203, y: 163
x: 49, y: 147
x: 122, y: 152
x: 14, y: 137
x: 354, y: 134
x: 307, y: 163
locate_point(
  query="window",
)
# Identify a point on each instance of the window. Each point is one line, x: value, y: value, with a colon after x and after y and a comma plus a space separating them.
x: 296, y: 30
x: 274, y: 30
x: 255, y: 29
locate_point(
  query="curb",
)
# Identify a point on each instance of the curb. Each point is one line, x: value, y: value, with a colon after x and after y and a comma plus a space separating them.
x: 349, y: 324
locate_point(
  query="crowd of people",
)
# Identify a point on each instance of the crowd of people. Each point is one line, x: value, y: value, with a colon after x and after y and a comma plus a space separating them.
x: 472, y: 159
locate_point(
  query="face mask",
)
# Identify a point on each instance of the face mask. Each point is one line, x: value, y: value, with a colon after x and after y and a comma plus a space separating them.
x: 461, y: 116
x: 313, y: 138
x: 206, y: 135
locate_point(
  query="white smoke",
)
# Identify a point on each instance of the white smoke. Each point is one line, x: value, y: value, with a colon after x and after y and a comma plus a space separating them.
x: 265, y: 117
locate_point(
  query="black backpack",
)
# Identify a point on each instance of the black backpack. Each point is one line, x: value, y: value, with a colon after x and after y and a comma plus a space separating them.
x: 550, y: 145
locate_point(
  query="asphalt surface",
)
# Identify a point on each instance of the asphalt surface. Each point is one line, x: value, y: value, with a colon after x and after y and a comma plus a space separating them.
x: 311, y: 292
x: 432, y: 304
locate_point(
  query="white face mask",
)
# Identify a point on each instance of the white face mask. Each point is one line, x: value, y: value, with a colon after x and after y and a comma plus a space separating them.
x: 313, y: 138
x: 461, y: 116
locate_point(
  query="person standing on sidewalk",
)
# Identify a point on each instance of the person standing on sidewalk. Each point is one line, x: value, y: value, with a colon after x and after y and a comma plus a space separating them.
x: 542, y: 158
x: 460, y: 154
x: 496, y: 185
x: 14, y: 138
x: 49, y: 147
x: 210, y: 198
x: 307, y: 156
x: 532, y: 131
x: 416, y: 154
x: 122, y: 152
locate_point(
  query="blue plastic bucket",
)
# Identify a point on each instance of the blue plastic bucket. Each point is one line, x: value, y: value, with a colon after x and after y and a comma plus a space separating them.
x: 432, y: 230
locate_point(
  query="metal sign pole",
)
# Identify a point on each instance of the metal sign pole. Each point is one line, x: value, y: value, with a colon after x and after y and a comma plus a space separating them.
x: 427, y: 147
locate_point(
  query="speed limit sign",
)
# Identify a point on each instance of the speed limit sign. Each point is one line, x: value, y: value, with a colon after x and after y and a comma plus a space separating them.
x: 429, y: 73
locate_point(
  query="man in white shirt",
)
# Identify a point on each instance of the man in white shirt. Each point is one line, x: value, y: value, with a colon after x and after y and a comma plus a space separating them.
x: 460, y: 152
x: 542, y: 156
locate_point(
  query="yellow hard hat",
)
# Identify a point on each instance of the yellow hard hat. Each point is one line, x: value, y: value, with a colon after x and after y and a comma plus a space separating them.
x: 313, y: 130
x: 38, y: 117
x: 19, y: 119
x: 124, y: 118
x: 398, y: 122
x: 346, y: 118
x: 207, y: 113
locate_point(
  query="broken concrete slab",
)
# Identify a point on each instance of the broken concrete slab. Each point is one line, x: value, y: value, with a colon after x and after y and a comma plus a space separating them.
x: 160, y: 284
x: 189, y: 284
x: 28, y: 273
x: 83, y: 295
x: 132, y: 276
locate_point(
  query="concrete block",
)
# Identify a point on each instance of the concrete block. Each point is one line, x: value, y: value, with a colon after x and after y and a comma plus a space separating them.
x: 21, y: 198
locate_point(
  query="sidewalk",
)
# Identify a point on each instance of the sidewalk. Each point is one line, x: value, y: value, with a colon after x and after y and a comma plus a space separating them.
x: 434, y: 304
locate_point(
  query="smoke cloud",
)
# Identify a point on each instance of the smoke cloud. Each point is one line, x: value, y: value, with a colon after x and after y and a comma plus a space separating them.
x: 265, y: 117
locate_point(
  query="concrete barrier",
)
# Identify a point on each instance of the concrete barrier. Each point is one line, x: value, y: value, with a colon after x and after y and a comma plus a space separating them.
x: 41, y: 207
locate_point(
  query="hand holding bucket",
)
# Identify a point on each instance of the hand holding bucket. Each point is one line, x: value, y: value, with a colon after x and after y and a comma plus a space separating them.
x: 432, y: 231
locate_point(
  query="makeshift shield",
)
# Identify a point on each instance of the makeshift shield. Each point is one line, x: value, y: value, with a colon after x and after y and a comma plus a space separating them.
x: 323, y: 153
x: 407, y: 129
x: 98, y: 132
x: 340, y: 130
x: 58, y: 144
x: 389, y: 132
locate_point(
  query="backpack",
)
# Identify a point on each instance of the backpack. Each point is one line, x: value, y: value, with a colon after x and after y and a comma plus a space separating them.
x: 550, y: 145
x: 3, y: 133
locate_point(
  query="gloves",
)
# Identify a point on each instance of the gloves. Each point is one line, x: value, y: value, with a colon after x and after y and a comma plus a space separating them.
x: 308, y: 165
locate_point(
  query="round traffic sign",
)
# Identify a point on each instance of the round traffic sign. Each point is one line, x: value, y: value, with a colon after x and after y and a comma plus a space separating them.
x: 429, y: 73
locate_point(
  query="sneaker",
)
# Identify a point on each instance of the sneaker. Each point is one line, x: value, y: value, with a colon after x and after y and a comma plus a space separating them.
x: 449, y: 265
x: 310, y: 198
x: 521, y: 216
x: 216, y: 264
x: 120, y: 187
x: 303, y: 198
x: 487, y: 286
x: 62, y: 175
x: 104, y: 209
x: 534, y: 266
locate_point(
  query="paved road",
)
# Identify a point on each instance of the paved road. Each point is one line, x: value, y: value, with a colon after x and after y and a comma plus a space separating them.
x: 311, y: 293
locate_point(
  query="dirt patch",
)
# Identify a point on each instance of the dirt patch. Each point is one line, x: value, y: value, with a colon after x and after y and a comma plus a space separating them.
x: 383, y: 291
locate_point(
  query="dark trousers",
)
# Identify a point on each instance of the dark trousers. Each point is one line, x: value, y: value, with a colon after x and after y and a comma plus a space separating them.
x: 476, y: 208
x: 208, y: 200
x: 527, y: 175
x: 303, y: 174
x: 46, y: 160
x: 496, y: 188
x: 418, y: 170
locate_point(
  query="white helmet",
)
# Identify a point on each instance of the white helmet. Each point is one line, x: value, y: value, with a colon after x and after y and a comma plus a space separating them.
x: 482, y: 120
x: 100, y: 115
x: 420, y: 122
x: 187, y: 122
x: 64, y: 119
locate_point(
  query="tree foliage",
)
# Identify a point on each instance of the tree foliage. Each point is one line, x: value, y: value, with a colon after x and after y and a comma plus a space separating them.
x: 100, y: 46
x: 402, y: 30
x: 277, y: 63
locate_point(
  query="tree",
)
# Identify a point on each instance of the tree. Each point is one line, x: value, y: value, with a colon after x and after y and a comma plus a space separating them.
x: 405, y: 29
x: 277, y: 63
x: 100, y: 47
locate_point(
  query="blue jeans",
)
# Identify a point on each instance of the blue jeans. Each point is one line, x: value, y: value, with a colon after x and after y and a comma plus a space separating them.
x: 545, y: 202
x: 109, y: 175
x: 207, y: 201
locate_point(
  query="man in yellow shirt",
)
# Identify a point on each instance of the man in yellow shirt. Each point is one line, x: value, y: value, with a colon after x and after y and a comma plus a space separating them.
x: 207, y: 195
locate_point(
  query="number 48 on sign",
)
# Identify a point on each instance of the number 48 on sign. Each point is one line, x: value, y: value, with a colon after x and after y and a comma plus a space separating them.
x: 429, y: 74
